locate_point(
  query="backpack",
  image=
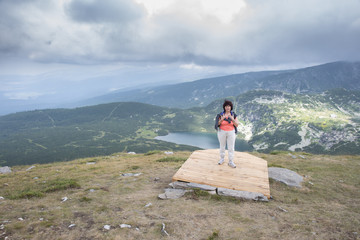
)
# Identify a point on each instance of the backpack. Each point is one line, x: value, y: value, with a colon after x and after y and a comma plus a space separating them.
x: 218, y: 117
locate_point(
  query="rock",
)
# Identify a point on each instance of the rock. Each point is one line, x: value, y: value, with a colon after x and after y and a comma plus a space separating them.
x: 168, y: 153
x: 125, y: 226
x: 172, y: 193
x: 201, y: 186
x: 131, y: 174
x: 163, y: 231
x: 90, y: 163
x: 286, y: 176
x: 131, y: 152
x: 179, y: 185
x: 36, y: 178
x: 148, y: 205
x: 107, y: 227
x: 92, y: 190
x: 30, y: 168
x: 72, y: 225
x: 64, y: 199
x: 5, y: 169
x: 2, y: 198
x: 242, y: 194
x: 282, y: 209
x: 20, y: 219
x: 183, y: 185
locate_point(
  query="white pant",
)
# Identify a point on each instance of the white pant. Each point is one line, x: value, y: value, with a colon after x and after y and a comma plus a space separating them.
x: 227, y: 138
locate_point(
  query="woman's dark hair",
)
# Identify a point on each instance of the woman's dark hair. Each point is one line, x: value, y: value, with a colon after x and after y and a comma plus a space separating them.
x: 228, y: 103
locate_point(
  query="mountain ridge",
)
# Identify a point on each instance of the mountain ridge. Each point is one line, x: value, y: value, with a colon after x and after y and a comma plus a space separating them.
x: 269, y: 120
x: 201, y: 92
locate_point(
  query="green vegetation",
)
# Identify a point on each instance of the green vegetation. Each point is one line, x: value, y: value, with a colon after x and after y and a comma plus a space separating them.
x: 171, y: 159
x: 270, y: 120
x: 32, y: 190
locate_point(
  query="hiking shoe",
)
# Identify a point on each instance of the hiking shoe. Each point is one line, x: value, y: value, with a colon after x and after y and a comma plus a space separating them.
x: 221, y: 161
x: 232, y: 164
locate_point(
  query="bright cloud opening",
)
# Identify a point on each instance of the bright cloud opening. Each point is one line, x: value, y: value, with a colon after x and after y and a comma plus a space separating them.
x: 223, y: 10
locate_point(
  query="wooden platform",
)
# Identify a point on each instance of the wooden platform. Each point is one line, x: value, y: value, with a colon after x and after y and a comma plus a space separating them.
x: 251, y: 173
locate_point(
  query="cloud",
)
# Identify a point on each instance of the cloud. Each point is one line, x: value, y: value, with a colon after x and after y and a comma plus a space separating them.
x: 255, y: 32
x: 104, y: 11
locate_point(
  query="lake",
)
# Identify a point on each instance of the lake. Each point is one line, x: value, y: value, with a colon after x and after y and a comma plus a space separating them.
x: 201, y: 140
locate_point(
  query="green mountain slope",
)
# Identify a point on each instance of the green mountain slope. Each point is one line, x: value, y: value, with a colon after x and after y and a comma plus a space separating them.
x: 269, y: 120
x: 202, y: 92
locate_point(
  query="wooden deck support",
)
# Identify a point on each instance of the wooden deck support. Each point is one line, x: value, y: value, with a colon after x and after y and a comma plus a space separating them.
x: 251, y: 173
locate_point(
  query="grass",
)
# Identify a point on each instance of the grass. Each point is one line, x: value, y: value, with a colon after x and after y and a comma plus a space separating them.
x: 40, y: 189
x: 326, y: 207
x: 172, y: 159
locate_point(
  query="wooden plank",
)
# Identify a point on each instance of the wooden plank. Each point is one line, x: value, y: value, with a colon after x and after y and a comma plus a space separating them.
x: 251, y: 173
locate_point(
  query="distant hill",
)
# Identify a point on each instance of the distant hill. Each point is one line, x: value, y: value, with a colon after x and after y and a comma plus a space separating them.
x: 270, y: 120
x: 315, y: 79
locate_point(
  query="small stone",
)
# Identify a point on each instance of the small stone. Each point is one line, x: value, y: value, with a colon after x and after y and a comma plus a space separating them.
x: 137, y: 174
x: 148, y: 205
x: 163, y: 231
x: 137, y: 229
x: 2, y: 198
x: 107, y: 227
x: 90, y: 163
x: 92, y: 190
x: 125, y: 226
x: 311, y: 183
x: 127, y: 174
x: 30, y: 168
x: 35, y: 178
x: 282, y: 209
x: 132, y: 153
x: 72, y: 225
x: 20, y: 219
x: 64, y: 199
x: 156, y: 179
x: 2, y: 226
x: 168, y: 153
x: 41, y: 219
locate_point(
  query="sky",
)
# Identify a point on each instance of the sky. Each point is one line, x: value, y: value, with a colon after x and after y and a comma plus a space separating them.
x: 61, y: 51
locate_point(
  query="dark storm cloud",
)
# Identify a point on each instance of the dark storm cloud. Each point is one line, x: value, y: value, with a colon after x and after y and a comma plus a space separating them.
x: 99, y: 11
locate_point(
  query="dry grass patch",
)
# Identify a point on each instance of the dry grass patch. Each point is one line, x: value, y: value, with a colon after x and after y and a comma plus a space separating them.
x: 327, y: 207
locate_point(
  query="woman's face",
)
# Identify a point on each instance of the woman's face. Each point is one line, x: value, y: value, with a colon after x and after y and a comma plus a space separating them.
x: 227, y: 108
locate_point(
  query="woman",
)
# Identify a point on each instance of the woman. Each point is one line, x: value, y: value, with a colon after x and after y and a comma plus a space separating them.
x: 226, y: 123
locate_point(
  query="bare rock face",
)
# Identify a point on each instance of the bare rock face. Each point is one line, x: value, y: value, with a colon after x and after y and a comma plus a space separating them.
x: 285, y: 176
